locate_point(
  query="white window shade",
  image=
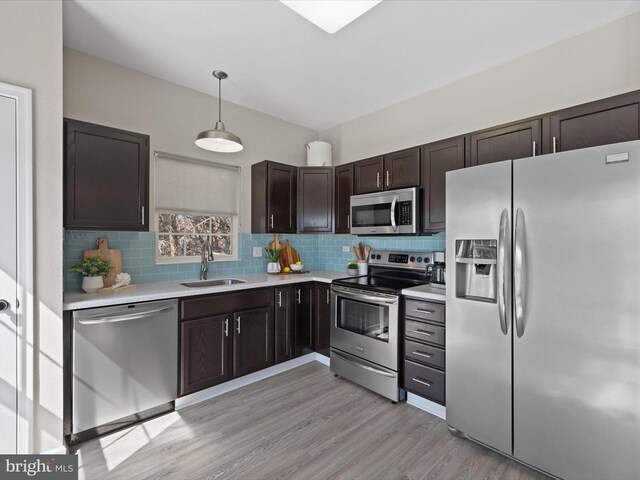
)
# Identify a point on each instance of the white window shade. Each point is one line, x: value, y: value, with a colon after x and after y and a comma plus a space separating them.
x: 183, y: 184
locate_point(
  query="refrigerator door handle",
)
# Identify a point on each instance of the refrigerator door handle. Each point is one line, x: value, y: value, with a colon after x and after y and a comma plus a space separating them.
x: 503, y: 271
x: 519, y: 273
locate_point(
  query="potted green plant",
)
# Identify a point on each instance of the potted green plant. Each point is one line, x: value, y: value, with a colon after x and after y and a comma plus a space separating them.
x: 272, y: 255
x: 352, y: 269
x: 92, y: 270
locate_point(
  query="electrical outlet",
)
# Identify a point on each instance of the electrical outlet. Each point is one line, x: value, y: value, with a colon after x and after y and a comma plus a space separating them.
x: 257, y: 251
x: 345, y: 249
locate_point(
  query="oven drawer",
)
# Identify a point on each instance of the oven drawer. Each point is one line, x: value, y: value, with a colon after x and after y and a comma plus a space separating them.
x: 432, y: 312
x: 422, y: 353
x: 425, y: 332
x: 424, y: 381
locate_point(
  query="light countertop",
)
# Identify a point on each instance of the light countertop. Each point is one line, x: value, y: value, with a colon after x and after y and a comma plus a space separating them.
x: 426, y: 292
x: 158, y: 291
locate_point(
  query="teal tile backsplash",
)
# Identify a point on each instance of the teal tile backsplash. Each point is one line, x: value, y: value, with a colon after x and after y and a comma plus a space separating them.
x: 318, y: 252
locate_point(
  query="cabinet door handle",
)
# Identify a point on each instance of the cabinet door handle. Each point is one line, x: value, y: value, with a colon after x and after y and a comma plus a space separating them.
x: 534, y: 149
x: 279, y: 299
x: 349, y: 222
x: 142, y: 214
x: 298, y: 295
x: 328, y: 297
x: 226, y: 327
x: 238, y: 320
x: 554, y: 144
x: 423, y: 310
x: 421, y: 354
x: 388, y: 179
x: 377, y: 179
x: 423, y: 382
x: 422, y: 332
x: 271, y: 221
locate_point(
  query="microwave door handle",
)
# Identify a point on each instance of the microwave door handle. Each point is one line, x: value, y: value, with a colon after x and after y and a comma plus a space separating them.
x: 394, y: 202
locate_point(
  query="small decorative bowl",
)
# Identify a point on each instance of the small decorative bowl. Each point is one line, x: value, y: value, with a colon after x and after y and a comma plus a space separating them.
x: 296, y: 268
x: 353, y: 272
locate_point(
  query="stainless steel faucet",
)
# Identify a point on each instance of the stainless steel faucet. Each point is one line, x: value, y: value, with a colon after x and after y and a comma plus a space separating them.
x: 206, y: 256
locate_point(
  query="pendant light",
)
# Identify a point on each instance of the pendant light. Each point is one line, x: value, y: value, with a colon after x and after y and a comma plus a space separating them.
x: 219, y: 139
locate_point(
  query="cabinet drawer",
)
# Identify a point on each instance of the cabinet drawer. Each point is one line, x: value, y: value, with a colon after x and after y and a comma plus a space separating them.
x: 425, y: 332
x: 210, y: 305
x: 433, y: 312
x: 424, y: 381
x: 421, y: 353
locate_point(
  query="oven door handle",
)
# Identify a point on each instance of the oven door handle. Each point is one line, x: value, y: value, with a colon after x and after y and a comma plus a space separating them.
x: 365, y: 297
x: 393, y: 213
x: 364, y: 367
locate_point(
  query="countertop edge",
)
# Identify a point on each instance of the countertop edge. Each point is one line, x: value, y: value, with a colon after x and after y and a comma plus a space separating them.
x: 408, y: 292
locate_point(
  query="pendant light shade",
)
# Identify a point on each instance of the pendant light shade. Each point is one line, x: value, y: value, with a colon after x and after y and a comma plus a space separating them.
x: 219, y: 139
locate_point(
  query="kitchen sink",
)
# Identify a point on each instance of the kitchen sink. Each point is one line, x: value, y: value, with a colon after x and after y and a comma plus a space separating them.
x: 216, y: 282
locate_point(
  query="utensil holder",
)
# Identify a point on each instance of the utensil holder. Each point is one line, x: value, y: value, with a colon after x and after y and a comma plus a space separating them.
x: 363, y: 268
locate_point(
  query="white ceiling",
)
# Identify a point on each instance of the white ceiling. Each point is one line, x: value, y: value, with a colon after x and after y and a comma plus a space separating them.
x: 279, y: 63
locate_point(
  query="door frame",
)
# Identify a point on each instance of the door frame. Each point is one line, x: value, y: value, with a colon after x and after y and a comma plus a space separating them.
x: 25, y: 274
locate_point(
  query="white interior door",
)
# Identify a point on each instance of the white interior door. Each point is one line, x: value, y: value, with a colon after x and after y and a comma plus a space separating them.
x: 8, y: 276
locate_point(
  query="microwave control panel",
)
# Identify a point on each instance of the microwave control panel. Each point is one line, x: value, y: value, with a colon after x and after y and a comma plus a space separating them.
x: 406, y: 213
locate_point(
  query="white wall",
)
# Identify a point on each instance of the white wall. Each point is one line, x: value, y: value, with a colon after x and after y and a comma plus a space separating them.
x: 102, y: 92
x: 596, y: 64
x: 31, y: 57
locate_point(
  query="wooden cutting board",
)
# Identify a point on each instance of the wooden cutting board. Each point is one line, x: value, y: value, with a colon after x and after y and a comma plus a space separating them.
x: 113, y: 256
x: 288, y: 256
x: 276, y: 242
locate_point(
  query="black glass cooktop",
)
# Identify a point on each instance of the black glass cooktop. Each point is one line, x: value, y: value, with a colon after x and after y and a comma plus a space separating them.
x: 381, y: 283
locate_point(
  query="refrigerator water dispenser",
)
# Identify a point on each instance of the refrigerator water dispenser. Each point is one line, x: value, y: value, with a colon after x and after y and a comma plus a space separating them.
x: 476, y: 270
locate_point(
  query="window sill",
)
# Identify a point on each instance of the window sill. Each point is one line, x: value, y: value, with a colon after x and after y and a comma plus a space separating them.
x: 173, y: 261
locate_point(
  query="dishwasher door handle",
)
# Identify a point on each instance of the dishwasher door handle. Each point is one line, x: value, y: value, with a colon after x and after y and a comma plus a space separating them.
x: 123, y: 318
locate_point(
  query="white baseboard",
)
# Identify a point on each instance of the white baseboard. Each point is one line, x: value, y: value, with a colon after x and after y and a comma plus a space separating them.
x: 234, y: 384
x: 427, y: 405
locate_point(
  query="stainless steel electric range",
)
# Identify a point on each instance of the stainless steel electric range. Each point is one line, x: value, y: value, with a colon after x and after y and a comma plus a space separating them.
x: 365, y: 316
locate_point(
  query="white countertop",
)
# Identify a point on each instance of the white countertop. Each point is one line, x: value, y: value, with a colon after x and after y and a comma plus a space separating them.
x: 159, y: 291
x: 426, y: 292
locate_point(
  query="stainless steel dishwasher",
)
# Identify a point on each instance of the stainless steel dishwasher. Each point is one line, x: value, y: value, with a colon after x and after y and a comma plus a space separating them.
x: 125, y: 365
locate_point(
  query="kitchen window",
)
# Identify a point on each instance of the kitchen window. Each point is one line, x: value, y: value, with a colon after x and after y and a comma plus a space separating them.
x: 195, y: 202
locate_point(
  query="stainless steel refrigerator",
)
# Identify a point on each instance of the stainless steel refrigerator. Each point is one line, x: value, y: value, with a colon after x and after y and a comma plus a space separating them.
x: 543, y: 310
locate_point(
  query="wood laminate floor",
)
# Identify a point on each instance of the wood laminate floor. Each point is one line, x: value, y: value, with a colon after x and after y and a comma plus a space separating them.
x: 301, y: 424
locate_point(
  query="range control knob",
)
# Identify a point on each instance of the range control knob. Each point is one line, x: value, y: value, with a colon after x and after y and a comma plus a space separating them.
x: 426, y: 259
x: 419, y: 259
x: 413, y: 259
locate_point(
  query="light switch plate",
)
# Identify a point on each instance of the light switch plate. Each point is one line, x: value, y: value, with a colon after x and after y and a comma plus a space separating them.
x: 257, y: 251
x: 345, y: 248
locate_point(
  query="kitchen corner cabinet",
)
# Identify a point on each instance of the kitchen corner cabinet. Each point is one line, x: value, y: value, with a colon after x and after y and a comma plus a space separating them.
x: 303, y: 318
x: 106, y: 179
x: 315, y: 200
x: 273, y: 197
x: 343, y: 188
x: 368, y: 175
x: 322, y: 318
x: 611, y: 120
x: 437, y: 159
x: 284, y: 326
x: 223, y: 336
x: 517, y: 140
x: 402, y: 169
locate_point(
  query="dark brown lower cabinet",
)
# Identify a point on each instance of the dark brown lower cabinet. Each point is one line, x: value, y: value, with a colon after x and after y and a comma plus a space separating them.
x: 304, y: 319
x: 322, y: 318
x: 284, y: 328
x: 252, y: 341
x: 205, y: 353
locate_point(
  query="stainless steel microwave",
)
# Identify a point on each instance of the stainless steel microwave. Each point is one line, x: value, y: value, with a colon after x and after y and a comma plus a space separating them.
x: 394, y: 212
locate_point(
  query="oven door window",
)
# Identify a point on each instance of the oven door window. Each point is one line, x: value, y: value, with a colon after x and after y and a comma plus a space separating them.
x: 368, y: 319
x: 377, y: 215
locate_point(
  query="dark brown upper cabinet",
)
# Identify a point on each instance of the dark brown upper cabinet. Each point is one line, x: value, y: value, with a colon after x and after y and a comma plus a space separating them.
x: 273, y: 198
x: 284, y: 328
x: 322, y: 318
x: 368, y: 175
x: 205, y: 353
x: 315, y: 200
x: 106, y: 178
x: 402, y: 169
x: 611, y: 120
x: 518, y: 140
x: 437, y: 159
x: 343, y: 191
